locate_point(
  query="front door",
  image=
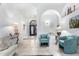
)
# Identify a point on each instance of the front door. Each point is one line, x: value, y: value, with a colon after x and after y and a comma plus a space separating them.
x: 33, y: 29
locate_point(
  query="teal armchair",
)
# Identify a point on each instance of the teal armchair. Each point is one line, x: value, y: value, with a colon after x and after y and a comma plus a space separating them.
x: 68, y: 43
x: 44, y: 39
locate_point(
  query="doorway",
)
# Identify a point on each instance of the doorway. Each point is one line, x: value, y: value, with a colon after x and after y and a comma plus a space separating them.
x: 33, y: 28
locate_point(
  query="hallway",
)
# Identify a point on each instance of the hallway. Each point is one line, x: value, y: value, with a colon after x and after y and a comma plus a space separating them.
x: 29, y: 47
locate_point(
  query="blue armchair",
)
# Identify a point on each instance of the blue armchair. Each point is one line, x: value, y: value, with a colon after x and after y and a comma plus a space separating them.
x: 44, y: 39
x: 68, y: 43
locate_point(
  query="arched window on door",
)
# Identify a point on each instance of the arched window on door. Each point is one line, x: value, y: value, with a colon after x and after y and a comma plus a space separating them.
x: 32, y: 27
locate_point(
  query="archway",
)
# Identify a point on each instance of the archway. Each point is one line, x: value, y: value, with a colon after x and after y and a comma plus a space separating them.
x: 33, y: 28
x: 49, y: 21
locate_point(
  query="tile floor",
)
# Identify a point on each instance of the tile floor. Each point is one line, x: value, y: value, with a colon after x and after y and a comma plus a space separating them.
x: 30, y: 47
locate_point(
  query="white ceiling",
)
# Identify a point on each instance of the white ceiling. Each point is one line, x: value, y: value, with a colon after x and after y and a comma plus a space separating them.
x: 26, y: 10
x: 56, y: 6
x: 18, y: 11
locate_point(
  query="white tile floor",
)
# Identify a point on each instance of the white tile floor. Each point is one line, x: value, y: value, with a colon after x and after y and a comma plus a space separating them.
x: 30, y: 46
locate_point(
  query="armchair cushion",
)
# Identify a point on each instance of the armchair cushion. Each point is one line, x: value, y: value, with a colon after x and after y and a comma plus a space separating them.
x: 44, y: 36
x: 72, y: 37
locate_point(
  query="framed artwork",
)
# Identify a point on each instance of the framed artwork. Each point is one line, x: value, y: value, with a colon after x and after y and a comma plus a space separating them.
x: 74, y: 22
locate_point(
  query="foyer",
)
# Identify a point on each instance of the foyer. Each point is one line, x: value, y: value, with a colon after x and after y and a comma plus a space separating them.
x: 25, y: 27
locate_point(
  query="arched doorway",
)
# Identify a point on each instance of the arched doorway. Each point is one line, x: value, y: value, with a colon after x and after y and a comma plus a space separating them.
x: 49, y: 20
x: 33, y: 28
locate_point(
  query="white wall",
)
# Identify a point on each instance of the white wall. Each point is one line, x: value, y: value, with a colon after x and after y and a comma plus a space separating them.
x: 65, y: 22
x: 53, y: 18
x: 8, y: 17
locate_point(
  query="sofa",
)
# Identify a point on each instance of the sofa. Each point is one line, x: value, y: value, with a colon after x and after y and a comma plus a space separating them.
x: 9, y: 51
x: 44, y: 39
x: 8, y: 46
x: 68, y: 43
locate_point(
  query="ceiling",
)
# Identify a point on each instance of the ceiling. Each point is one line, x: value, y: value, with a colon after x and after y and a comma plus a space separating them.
x: 22, y: 11
x: 56, y: 6
x: 26, y: 10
